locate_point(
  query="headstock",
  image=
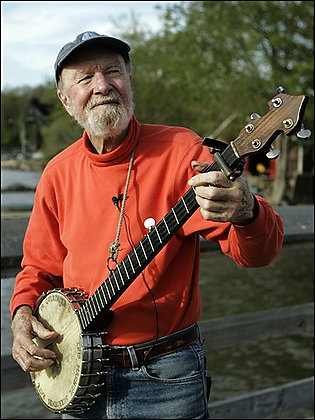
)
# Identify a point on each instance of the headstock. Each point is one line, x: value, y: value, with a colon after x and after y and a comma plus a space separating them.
x: 285, y: 115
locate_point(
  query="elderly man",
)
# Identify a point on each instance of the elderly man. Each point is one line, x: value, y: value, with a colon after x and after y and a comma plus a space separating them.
x: 94, y: 202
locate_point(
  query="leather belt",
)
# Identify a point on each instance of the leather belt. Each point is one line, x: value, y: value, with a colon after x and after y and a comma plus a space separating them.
x: 120, y: 356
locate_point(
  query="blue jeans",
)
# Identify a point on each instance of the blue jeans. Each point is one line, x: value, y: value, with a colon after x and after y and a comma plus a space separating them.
x: 169, y: 387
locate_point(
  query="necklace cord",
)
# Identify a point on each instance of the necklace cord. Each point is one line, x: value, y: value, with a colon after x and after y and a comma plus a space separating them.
x: 114, y: 246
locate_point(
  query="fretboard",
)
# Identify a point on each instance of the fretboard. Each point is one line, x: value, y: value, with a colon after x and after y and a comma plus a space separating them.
x: 143, y: 253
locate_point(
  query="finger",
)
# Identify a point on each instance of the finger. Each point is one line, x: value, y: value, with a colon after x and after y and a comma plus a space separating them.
x: 214, y: 178
x: 25, y: 341
x: 42, y: 332
x: 213, y: 206
x: 214, y: 216
x: 38, y: 351
x: 213, y: 193
x: 30, y: 363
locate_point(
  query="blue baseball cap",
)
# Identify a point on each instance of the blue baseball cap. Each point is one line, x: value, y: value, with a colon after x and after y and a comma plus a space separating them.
x: 89, y: 38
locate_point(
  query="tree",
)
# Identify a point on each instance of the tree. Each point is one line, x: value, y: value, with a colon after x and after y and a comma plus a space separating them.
x: 213, y: 62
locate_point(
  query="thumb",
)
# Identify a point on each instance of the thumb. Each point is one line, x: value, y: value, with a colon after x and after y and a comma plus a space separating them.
x: 198, y: 166
x: 41, y: 331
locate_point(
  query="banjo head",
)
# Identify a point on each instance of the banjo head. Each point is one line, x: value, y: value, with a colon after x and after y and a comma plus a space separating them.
x: 57, y: 385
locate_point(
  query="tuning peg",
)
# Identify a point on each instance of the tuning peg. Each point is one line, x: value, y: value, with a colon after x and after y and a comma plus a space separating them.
x: 280, y: 89
x: 304, y: 133
x: 273, y: 153
x: 149, y: 223
x: 254, y: 116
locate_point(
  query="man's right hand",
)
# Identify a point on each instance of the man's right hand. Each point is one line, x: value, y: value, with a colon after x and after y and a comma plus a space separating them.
x: 29, y: 356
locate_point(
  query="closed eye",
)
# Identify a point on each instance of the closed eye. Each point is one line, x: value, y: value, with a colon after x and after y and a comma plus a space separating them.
x: 84, y: 78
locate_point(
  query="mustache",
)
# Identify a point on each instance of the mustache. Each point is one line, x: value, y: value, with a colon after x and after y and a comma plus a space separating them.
x: 103, y: 100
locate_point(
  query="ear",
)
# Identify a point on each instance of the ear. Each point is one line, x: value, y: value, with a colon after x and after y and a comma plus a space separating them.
x: 65, y: 100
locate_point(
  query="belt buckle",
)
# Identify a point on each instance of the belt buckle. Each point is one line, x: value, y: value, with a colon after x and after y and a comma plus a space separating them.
x: 105, y: 360
x: 113, y: 357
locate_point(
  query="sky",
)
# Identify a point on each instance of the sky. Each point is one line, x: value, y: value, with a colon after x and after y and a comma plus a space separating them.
x: 32, y: 33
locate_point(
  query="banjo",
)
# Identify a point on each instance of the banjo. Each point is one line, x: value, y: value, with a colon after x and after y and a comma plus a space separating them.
x: 73, y: 382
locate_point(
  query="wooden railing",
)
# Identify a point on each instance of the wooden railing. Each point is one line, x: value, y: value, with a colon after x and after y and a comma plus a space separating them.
x: 251, y: 328
x: 270, y: 401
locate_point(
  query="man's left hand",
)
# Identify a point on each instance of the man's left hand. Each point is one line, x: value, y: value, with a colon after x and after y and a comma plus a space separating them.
x: 220, y: 199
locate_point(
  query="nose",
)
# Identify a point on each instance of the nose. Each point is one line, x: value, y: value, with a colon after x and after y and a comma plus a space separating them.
x: 100, y: 84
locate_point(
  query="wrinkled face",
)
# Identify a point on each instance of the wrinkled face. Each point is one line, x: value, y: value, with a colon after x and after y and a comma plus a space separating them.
x: 95, y: 89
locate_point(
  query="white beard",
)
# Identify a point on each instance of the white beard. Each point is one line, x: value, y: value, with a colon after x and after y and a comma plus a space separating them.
x: 109, y: 120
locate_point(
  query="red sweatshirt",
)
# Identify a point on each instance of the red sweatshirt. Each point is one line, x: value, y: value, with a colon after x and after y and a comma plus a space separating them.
x: 74, y: 221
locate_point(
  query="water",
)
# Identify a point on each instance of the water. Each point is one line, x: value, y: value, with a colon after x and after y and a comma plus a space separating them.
x: 228, y: 290
x: 17, y: 189
x: 10, y: 177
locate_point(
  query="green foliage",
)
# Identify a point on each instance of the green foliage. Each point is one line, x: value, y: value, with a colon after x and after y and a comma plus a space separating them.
x: 13, y: 114
x: 37, y: 115
x: 214, y: 59
x: 60, y: 132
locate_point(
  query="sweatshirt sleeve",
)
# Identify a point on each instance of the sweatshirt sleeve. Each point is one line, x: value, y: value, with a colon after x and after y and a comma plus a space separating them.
x: 42, y: 249
x: 256, y: 244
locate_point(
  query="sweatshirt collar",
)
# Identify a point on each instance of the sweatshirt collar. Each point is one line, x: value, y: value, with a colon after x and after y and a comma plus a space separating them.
x: 121, y: 154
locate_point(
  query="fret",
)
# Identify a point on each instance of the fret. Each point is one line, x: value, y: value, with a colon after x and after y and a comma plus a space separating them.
x: 131, y: 264
x: 168, y: 231
x: 171, y: 222
x: 106, y: 291
x: 145, y: 255
x: 87, y: 316
x: 100, y: 299
x: 163, y: 232
x: 83, y: 318
x: 111, y: 285
x: 157, y: 232
x: 146, y: 245
x: 132, y: 260
x: 89, y: 310
x: 81, y: 315
x: 109, y: 294
x: 175, y: 216
x: 94, y: 297
x: 154, y: 239
x: 135, y: 252
x: 103, y: 293
x: 114, y: 281
x: 181, y: 213
x: 123, y: 262
x: 93, y: 306
x: 115, y: 278
x: 86, y: 312
x: 185, y: 205
x: 190, y: 199
x: 120, y: 276
x: 148, y: 236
